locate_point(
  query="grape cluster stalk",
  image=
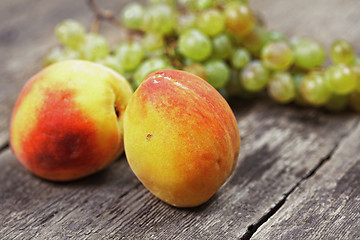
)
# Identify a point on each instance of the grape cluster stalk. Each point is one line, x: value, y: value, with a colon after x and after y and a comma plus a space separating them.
x: 222, y: 41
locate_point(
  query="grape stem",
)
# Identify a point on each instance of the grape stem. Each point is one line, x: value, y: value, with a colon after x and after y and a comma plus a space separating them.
x: 107, y: 15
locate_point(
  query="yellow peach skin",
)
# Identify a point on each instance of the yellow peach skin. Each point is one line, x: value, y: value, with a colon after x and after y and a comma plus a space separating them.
x: 181, y: 137
x: 68, y: 120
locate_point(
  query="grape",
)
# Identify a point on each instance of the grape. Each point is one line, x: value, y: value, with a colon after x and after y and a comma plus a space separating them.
x: 308, y: 53
x: 254, y: 76
x: 95, y: 47
x: 281, y: 87
x: 314, y: 89
x: 147, y: 67
x: 340, y: 79
x: 299, y: 99
x: 240, y: 58
x: 129, y: 55
x: 337, y: 103
x: 255, y: 40
x: 159, y: 19
x: 273, y: 36
x: 185, y: 22
x: 167, y: 2
x: 152, y: 42
x: 195, y: 45
x: 223, y: 42
x: 132, y: 16
x: 58, y: 54
x: 342, y: 51
x: 277, y: 56
x: 113, y: 63
x: 354, y: 101
x: 203, y: 4
x: 239, y: 19
x: 70, y: 33
x: 197, y: 69
x: 188, y: 4
x: 356, y: 70
x: 234, y: 86
x: 217, y: 73
x: 222, y: 47
x: 211, y: 22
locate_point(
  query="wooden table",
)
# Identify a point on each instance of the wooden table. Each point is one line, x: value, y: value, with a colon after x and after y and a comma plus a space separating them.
x: 297, y: 177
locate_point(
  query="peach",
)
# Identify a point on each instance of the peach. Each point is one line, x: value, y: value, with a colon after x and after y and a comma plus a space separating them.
x: 181, y: 137
x: 68, y: 120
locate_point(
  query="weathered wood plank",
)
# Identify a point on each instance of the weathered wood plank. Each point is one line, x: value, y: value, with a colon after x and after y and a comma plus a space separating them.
x: 280, y: 146
x: 323, y: 20
x: 325, y: 206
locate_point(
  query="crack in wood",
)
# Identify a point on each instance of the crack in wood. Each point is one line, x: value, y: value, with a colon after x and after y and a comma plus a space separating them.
x: 5, y: 146
x: 254, y: 227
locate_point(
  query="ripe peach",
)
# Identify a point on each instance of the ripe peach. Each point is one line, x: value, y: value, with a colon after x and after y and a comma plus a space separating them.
x: 68, y: 120
x: 181, y: 137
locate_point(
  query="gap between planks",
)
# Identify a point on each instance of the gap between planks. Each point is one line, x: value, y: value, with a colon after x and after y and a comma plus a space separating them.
x: 254, y: 227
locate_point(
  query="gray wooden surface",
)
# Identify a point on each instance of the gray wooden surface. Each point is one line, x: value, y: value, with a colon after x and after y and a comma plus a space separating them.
x: 298, y: 171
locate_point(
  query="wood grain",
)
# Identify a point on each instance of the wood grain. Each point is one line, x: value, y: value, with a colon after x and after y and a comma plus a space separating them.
x: 326, y: 206
x: 285, y: 153
x: 277, y: 152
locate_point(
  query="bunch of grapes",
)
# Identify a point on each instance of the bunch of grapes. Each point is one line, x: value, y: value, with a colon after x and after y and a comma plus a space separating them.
x: 226, y: 44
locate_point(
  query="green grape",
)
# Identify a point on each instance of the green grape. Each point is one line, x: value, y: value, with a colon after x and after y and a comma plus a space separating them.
x: 171, y: 3
x: 187, y: 4
x: 239, y: 19
x: 299, y: 99
x: 147, y: 67
x: 70, y: 33
x: 235, y: 88
x: 58, y: 54
x: 308, y: 53
x: 217, y: 73
x: 354, y: 101
x: 160, y: 19
x: 185, y: 22
x: 314, y: 89
x: 196, y: 69
x: 152, y: 42
x: 129, y: 55
x: 255, y: 40
x: 356, y: 70
x: 240, y: 58
x: 211, y: 22
x: 222, y: 47
x: 340, y: 79
x: 357, y: 60
x: 95, y: 47
x: 132, y: 16
x: 222, y: 2
x: 342, y: 51
x: 273, y: 36
x: 277, y: 56
x: 188, y: 61
x: 195, y: 45
x: 203, y: 4
x: 281, y: 87
x: 337, y: 103
x: 255, y: 76
x: 113, y: 63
